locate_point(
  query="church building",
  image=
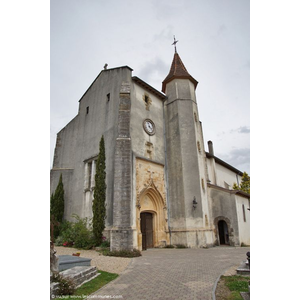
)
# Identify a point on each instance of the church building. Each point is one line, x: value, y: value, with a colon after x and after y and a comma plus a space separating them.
x: 162, y: 186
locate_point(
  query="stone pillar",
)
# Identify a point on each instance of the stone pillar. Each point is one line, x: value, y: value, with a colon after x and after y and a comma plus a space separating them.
x: 122, y: 233
x: 213, y: 165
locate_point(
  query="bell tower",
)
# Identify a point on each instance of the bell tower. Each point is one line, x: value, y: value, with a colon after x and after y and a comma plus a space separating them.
x: 185, y: 162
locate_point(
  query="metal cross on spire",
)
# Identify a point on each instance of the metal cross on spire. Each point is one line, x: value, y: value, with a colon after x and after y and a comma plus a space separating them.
x: 174, y: 43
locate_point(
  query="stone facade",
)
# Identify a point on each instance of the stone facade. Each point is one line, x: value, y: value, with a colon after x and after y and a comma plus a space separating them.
x: 162, y: 186
x: 151, y: 197
x: 121, y: 233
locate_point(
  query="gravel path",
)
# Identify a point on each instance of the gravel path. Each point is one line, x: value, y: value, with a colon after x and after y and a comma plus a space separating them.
x: 105, y: 263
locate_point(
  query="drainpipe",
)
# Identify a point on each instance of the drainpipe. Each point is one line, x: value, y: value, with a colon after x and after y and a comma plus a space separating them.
x: 166, y: 170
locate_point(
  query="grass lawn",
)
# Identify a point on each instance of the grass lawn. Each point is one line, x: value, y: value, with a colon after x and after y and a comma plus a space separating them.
x: 229, y: 287
x: 92, y: 286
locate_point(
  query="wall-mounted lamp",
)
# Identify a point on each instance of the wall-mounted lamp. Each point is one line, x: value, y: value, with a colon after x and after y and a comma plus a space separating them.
x: 194, y: 203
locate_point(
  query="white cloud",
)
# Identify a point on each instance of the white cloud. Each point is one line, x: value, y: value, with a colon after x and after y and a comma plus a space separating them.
x: 242, y: 129
x: 238, y: 158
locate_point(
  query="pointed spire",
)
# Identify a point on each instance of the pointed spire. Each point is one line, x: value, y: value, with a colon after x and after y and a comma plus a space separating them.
x: 178, y: 70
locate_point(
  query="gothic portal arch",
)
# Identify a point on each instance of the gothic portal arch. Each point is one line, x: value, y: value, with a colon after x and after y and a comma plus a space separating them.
x: 152, y: 228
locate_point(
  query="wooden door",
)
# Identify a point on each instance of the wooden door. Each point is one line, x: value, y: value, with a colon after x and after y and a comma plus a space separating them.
x: 147, y: 230
x: 223, y: 233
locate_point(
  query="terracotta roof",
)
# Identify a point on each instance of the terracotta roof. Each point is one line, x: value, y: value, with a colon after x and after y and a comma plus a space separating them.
x: 241, y: 193
x: 224, y: 164
x: 149, y: 87
x: 178, y: 70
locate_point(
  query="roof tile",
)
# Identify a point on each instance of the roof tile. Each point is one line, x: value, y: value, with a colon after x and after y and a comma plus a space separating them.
x: 178, y: 70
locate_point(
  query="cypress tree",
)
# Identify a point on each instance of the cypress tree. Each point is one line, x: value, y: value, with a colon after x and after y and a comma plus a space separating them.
x: 99, y: 209
x: 59, y: 201
x: 57, y: 206
x: 51, y: 205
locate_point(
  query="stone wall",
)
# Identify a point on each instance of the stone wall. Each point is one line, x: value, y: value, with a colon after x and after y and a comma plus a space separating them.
x: 78, y: 143
x: 121, y: 234
x: 223, y: 204
x: 183, y: 156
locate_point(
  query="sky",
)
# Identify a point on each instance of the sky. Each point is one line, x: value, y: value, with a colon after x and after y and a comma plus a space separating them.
x: 214, y: 45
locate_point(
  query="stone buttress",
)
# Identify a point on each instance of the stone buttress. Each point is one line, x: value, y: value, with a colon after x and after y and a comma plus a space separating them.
x: 122, y: 233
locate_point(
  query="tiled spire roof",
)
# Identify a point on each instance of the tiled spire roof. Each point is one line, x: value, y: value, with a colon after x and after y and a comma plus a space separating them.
x: 178, y: 70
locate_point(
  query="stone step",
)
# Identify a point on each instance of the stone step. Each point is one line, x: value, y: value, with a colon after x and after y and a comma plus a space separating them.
x: 243, y: 269
x: 80, y: 274
x: 245, y: 295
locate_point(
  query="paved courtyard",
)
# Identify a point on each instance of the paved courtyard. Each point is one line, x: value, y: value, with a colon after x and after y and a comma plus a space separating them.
x: 165, y: 274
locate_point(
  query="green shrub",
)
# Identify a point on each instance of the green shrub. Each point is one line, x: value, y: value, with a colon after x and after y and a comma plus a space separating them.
x: 76, y: 233
x: 59, y: 241
x: 83, y: 237
x: 169, y: 246
x: 67, y: 232
x: 181, y: 246
x: 105, y: 244
x: 104, y: 251
x: 66, y: 285
x: 123, y: 253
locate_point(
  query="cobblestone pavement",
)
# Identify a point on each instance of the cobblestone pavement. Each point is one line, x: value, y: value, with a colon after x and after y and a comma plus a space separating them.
x: 173, y: 274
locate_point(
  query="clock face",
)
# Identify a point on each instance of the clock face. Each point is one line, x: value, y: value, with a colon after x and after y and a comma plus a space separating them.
x: 149, y: 126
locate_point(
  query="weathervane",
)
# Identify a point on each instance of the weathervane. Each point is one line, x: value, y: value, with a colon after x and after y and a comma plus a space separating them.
x: 174, y: 43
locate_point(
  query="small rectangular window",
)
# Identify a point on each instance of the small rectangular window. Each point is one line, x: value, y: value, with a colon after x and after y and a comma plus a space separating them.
x: 146, y: 99
x: 108, y: 97
x: 87, y: 110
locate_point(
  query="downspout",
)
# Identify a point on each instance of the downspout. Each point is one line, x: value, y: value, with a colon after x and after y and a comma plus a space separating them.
x: 166, y: 171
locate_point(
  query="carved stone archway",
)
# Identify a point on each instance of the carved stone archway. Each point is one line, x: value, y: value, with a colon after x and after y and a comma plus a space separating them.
x: 151, y: 201
x: 151, y: 198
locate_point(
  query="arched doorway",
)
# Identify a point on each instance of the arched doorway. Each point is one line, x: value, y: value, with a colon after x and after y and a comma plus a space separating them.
x: 223, y: 233
x: 151, y: 221
x: 147, y: 230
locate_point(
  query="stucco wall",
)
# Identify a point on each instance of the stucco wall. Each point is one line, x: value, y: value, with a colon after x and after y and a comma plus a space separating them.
x: 223, y: 174
x: 244, y: 224
x: 79, y: 140
x: 138, y: 114
x: 224, y: 208
x: 183, y: 156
